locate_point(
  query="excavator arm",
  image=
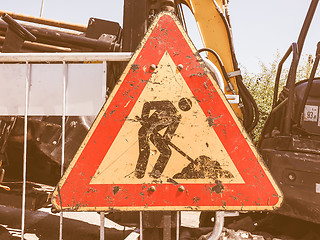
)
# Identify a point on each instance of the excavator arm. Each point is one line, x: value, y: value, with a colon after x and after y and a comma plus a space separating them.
x: 214, y: 26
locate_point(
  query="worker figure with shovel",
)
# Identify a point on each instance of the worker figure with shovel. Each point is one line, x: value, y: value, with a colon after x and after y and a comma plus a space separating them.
x: 165, y: 115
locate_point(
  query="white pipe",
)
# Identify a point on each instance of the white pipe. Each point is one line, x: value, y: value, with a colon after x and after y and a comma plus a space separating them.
x: 178, y: 226
x: 102, y: 219
x: 105, y: 78
x: 141, y: 225
x: 41, y: 10
x: 216, y: 72
x: 218, y: 226
x: 25, y: 141
x: 67, y: 57
x: 63, y: 138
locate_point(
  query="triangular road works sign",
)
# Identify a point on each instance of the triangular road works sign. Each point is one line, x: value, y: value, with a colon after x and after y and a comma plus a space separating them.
x: 166, y: 139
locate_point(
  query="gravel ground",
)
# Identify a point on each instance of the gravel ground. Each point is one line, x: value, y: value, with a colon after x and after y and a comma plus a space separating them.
x: 44, y: 225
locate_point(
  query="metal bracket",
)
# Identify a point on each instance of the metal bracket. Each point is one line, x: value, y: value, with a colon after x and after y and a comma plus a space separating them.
x: 233, y: 99
x: 231, y: 214
x: 234, y: 74
x: 219, y: 222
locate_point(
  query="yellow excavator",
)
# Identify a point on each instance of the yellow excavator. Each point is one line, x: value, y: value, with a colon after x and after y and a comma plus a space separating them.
x: 214, y: 25
x: 290, y: 137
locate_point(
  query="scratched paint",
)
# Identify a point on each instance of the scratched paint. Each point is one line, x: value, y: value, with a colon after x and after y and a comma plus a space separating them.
x: 166, y: 139
x: 165, y: 136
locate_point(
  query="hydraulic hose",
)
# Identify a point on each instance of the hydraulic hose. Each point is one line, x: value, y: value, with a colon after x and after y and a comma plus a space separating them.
x: 250, y: 110
x: 224, y: 72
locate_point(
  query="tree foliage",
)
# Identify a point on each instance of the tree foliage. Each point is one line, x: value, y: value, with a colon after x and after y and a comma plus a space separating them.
x: 261, y: 85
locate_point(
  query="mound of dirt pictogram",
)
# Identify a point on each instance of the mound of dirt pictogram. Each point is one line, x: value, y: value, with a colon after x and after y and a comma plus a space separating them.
x: 203, y: 167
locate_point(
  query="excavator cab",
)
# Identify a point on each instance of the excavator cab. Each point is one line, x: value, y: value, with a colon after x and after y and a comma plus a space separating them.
x: 309, y: 119
x: 290, y: 140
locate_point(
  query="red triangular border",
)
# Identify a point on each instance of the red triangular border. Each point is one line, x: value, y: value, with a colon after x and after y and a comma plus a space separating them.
x: 74, y: 191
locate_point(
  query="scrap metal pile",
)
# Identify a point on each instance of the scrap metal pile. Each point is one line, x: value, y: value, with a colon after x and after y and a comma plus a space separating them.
x: 41, y: 35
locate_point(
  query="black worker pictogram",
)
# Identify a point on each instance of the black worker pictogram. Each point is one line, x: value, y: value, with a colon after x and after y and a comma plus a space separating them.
x: 164, y: 115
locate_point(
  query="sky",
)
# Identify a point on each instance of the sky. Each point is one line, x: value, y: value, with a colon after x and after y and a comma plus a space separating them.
x: 260, y: 27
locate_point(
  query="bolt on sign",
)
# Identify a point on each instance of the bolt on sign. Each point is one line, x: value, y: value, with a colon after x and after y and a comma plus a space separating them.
x: 166, y: 139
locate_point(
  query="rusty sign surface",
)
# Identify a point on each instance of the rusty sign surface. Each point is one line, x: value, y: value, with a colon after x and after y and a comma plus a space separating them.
x: 166, y: 139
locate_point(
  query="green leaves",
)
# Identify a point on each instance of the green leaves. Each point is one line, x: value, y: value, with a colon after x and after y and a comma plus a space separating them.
x: 261, y: 85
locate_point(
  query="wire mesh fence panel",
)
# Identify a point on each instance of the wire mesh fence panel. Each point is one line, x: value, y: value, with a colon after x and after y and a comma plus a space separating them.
x: 44, y: 107
x: 47, y: 105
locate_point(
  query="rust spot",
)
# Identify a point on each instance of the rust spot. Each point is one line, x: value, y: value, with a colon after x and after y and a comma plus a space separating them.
x: 165, y: 30
x: 92, y: 190
x: 196, y: 74
x: 134, y: 67
x: 170, y: 180
x: 218, y: 188
x: 116, y: 189
x: 210, y: 121
x: 195, y: 199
